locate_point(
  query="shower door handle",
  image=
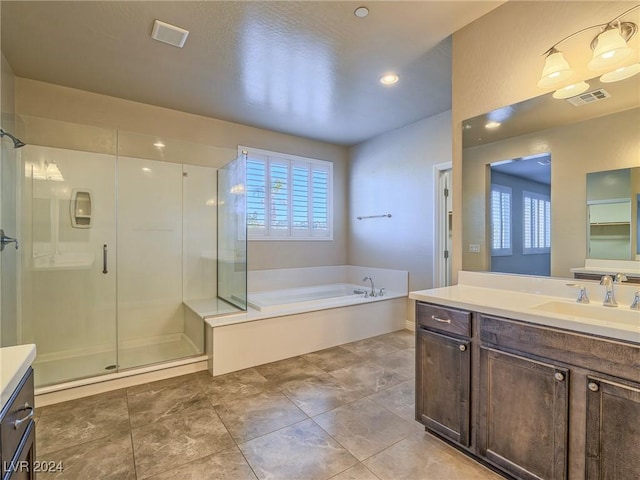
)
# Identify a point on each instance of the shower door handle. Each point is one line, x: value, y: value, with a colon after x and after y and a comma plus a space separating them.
x: 104, y: 258
x: 4, y: 240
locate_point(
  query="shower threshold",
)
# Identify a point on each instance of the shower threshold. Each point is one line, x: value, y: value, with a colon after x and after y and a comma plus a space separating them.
x: 52, y: 372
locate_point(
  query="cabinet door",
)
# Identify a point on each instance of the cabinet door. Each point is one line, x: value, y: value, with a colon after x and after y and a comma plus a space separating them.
x: 523, y: 415
x: 443, y: 385
x: 613, y: 430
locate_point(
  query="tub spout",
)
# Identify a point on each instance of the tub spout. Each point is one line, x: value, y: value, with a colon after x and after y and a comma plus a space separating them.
x: 373, y: 288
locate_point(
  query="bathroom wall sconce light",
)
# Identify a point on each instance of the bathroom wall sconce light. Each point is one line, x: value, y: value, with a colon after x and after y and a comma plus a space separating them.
x: 610, y: 52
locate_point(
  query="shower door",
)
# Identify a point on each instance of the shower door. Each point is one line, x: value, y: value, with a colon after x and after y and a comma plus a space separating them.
x: 69, y: 262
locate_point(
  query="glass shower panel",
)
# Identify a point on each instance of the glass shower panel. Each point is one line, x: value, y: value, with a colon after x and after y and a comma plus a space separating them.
x: 150, y: 308
x: 10, y: 256
x: 68, y: 262
x: 232, y: 233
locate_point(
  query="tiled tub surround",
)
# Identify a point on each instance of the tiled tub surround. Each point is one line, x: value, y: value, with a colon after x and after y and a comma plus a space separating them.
x: 343, y: 413
x: 240, y: 341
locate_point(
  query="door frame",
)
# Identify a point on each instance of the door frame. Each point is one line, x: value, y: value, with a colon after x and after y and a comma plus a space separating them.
x: 440, y: 222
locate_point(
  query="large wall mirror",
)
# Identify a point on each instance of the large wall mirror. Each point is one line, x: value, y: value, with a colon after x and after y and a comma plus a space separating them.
x: 527, y: 207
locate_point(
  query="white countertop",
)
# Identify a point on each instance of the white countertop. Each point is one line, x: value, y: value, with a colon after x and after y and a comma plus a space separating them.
x: 609, y: 267
x: 511, y: 300
x: 14, y: 363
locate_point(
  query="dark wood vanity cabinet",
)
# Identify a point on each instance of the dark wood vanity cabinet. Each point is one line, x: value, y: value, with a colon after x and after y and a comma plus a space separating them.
x: 443, y: 372
x: 444, y: 383
x: 612, y: 430
x: 17, y: 433
x: 523, y: 415
x: 532, y: 401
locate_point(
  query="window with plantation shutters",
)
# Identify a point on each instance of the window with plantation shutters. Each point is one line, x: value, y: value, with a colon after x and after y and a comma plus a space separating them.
x: 288, y: 197
x: 500, y: 220
x: 536, y: 220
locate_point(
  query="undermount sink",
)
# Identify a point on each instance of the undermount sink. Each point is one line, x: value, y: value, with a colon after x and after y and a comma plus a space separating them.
x: 621, y: 314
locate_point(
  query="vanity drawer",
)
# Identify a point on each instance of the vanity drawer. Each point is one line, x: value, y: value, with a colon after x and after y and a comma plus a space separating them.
x: 443, y: 319
x: 19, y: 407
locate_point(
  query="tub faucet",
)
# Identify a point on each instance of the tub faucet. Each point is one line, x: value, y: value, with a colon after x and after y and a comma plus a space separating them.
x: 373, y: 288
x: 609, y: 298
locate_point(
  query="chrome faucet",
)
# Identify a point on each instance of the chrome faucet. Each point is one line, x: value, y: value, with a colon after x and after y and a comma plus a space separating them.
x: 636, y: 301
x: 620, y: 277
x: 373, y: 288
x: 582, y: 296
x: 609, y: 298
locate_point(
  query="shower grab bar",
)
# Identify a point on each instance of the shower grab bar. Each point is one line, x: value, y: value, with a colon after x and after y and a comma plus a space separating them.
x: 388, y: 215
x: 104, y: 259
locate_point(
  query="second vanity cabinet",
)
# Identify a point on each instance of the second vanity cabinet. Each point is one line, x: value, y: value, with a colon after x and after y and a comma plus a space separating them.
x: 538, y: 402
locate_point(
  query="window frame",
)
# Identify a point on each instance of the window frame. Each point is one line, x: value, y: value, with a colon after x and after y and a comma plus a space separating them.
x: 547, y: 220
x: 268, y: 233
x: 502, y: 251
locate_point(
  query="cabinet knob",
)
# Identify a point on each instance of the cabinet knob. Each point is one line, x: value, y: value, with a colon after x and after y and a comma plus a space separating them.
x: 593, y: 386
x: 559, y: 376
x: 462, y: 348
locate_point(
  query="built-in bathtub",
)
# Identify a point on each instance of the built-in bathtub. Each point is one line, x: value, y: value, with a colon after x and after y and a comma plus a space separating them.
x: 296, y: 311
x: 316, y: 296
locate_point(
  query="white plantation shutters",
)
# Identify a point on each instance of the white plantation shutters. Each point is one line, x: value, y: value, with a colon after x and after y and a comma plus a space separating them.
x: 500, y: 220
x: 536, y: 220
x: 288, y: 197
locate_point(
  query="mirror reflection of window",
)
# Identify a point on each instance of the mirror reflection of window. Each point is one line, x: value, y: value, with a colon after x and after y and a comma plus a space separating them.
x: 521, y: 213
x: 536, y: 220
x: 500, y: 220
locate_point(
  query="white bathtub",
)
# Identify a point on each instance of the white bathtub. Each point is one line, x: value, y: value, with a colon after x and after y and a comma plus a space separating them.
x: 301, y: 310
x: 316, y: 296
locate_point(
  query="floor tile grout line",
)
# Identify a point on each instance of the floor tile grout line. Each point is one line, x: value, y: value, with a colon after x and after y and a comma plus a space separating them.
x: 267, y: 433
x: 404, y: 437
x: 133, y: 450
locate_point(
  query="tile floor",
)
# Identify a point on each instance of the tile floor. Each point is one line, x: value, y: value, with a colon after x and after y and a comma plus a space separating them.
x: 341, y: 413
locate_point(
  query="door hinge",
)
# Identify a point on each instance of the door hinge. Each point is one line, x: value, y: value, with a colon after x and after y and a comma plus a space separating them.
x: 446, y: 192
x: 446, y: 254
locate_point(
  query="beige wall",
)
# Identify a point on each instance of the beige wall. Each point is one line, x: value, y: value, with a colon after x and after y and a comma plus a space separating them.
x: 575, y: 150
x: 393, y: 173
x: 497, y: 61
x: 38, y: 100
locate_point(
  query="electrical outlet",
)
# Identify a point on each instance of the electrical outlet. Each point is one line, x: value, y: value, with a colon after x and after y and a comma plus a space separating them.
x: 474, y: 248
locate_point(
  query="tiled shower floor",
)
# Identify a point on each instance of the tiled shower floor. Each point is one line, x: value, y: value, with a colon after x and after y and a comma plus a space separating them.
x: 341, y: 413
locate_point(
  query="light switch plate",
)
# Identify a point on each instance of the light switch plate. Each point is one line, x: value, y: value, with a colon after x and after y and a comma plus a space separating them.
x: 474, y: 248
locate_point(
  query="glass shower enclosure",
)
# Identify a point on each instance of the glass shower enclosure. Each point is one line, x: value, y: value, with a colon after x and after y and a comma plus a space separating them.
x: 119, y: 231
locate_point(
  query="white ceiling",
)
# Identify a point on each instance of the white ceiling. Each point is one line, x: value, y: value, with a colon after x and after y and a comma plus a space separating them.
x: 308, y: 68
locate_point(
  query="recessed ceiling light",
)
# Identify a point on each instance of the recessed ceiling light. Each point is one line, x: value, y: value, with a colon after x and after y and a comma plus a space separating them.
x: 159, y: 145
x: 361, y: 12
x: 389, y: 79
x: 492, y: 125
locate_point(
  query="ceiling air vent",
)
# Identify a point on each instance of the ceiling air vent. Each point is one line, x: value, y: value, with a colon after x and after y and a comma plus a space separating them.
x: 588, y: 97
x: 166, y: 33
